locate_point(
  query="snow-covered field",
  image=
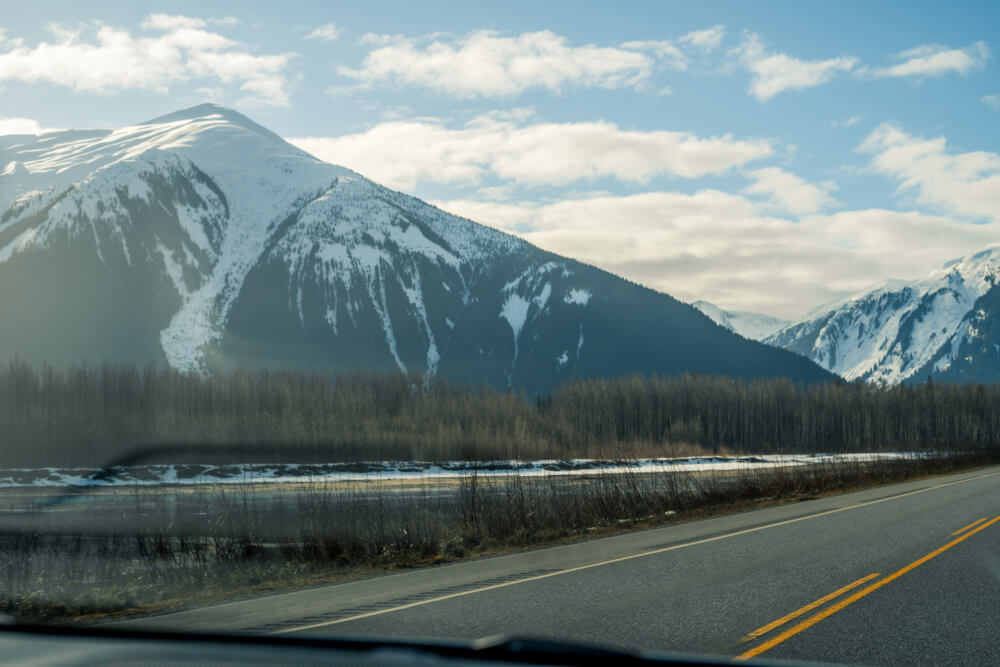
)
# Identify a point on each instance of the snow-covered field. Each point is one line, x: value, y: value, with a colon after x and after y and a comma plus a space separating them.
x: 183, y: 474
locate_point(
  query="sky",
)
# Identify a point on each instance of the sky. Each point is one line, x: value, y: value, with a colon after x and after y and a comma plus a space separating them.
x: 766, y: 156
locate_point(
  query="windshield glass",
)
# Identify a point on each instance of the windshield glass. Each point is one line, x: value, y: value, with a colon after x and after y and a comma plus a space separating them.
x: 656, y: 326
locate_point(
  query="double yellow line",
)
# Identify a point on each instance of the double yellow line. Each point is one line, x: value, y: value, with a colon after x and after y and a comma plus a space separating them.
x: 965, y: 533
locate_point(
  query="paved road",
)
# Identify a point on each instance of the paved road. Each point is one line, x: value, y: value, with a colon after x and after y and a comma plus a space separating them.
x: 884, y: 576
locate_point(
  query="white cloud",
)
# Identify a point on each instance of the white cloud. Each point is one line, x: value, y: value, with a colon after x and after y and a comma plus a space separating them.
x: 847, y: 122
x: 992, y: 101
x: 22, y: 126
x: 328, y: 32
x: 375, y: 39
x: 932, y: 60
x: 210, y: 93
x: 707, y: 40
x: 774, y: 73
x: 666, y: 53
x: 966, y: 184
x: 486, y: 64
x: 789, y: 193
x: 171, y: 22
x: 677, y: 243
x: 401, y: 154
x: 183, y: 51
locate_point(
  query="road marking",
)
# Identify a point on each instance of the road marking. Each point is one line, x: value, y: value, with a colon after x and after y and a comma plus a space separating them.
x: 760, y: 632
x: 622, y: 559
x: 833, y: 609
x: 974, y: 523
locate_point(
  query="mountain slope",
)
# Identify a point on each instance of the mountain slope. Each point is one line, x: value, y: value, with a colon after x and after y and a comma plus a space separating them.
x: 755, y: 326
x: 944, y: 326
x: 202, y: 240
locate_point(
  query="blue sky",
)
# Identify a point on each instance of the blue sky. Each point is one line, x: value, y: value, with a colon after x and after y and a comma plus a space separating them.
x: 764, y: 156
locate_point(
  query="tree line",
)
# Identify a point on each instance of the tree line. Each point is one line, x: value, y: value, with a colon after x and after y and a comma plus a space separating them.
x: 94, y: 415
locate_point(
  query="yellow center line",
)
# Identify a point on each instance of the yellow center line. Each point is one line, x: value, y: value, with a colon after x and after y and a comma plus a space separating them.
x: 684, y: 545
x: 759, y: 632
x: 974, y: 523
x: 833, y: 609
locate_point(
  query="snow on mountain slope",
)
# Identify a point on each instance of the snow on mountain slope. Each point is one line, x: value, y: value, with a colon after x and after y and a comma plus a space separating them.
x: 900, y: 330
x: 259, y: 176
x: 259, y: 179
x: 755, y: 326
x: 359, y: 235
x: 203, y: 240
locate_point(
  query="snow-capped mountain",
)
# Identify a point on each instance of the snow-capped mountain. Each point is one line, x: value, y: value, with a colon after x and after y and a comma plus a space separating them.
x: 945, y: 326
x: 205, y: 241
x: 756, y: 326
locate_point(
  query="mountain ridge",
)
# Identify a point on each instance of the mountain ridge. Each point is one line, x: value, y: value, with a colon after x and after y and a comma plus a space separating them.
x: 906, y: 331
x: 203, y: 240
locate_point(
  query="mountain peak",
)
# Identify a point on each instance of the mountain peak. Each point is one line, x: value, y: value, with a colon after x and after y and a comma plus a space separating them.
x: 904, y: 330
x: 212, y: 136
x: 209, y: 112
x: 197, y: 111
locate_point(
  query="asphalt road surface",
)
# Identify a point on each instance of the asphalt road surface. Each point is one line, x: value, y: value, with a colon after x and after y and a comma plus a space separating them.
x: 899, y: 575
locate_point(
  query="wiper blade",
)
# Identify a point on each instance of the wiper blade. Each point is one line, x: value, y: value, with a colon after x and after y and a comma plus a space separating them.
x: 500, y: 649
x: 538, y: 651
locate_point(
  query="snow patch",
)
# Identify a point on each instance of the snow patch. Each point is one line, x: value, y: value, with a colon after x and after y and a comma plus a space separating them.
x: 20, y: 243
x: 368, y: 257
x: 331, y: 319
x: 415, y: 296
x: 173, y: 269
x: 515, y: 311
x: 333, y: 253
x: 191, y: 222
x: 543, y: 298
x: 382, y: 310
x: 413, y: 240
x: 580, y: 297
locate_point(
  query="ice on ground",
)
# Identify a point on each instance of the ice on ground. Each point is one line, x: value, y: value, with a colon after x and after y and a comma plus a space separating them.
x: 262, y: 473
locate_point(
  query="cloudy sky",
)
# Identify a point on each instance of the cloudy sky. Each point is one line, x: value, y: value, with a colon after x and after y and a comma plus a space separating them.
x: 763, y: 156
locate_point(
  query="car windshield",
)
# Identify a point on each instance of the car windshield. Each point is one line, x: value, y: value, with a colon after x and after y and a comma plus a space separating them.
x: 662, y: 327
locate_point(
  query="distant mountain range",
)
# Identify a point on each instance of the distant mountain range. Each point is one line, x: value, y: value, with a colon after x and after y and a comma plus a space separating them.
x: 945, y: 327
x: 749, y: 325
x: 204, y: 241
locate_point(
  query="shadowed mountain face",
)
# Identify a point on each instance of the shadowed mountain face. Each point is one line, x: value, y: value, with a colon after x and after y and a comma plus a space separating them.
x: 206, y: 242
x: 945, y: 326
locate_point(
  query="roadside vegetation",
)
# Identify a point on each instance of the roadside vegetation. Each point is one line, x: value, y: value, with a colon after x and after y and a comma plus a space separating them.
x: 99, y: 415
